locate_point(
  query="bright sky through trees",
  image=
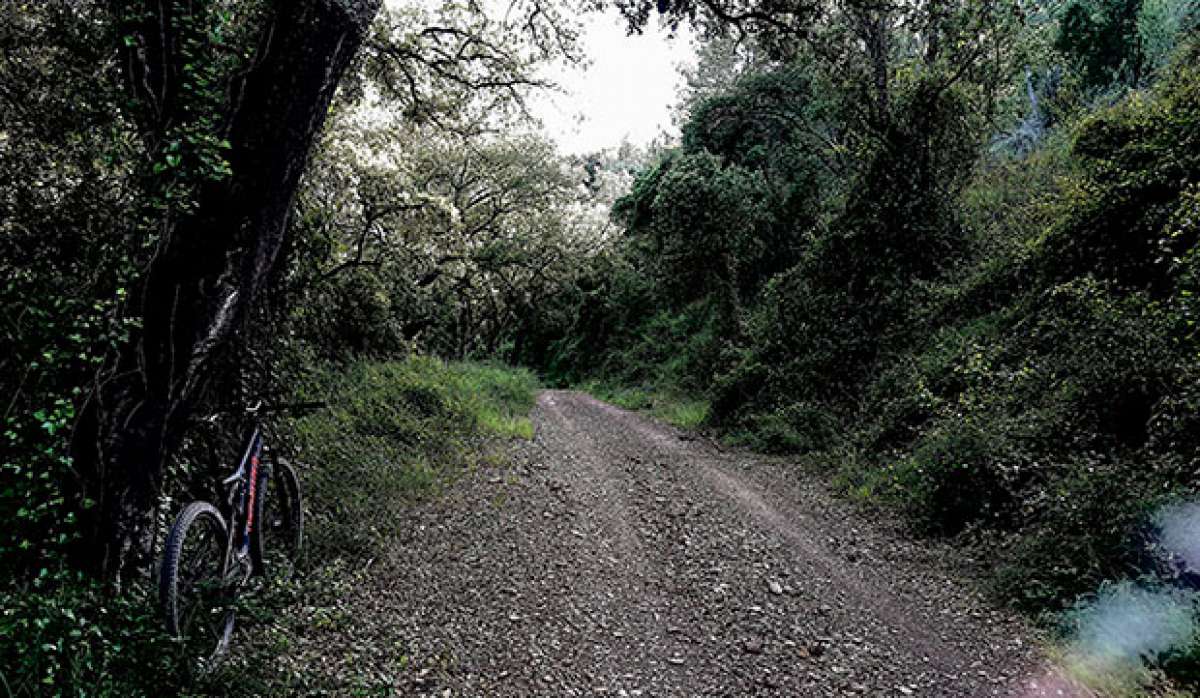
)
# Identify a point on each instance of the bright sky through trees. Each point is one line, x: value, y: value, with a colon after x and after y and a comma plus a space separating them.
x: 624, y: 93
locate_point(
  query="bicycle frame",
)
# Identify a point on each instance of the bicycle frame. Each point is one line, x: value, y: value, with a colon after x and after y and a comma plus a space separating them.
x: 242, y: 555
x: 252, y: 472
x: 243, y: 494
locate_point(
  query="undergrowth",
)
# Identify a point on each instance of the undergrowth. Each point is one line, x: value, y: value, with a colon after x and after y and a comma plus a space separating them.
x: 670, y: 405
x: 395, y: 432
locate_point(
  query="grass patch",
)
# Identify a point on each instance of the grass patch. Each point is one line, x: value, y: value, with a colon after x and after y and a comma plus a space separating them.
x: 498, y: 398
x: 671, y: 406
x: 393, y: 432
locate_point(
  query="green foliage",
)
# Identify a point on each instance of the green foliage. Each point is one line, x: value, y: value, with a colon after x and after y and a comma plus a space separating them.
x: 353, y: 313
x: 896, y: 226
x: 1162, y: 24
x: 579, y: 332
x: 1184, y: 665
x: 1125, y: 217
x: 395, y: 431
x: 1102, y: 38
x: 665, y: 403
x: 1057, y: 420
x: 498, y: 397
x: 701, y: 223
x: 797, y: 427
x: 802, y: 339
x: 1122, y: 42
x: 438, y: 241
x: 86, y: 184
x: 67, y: 637
x: 65, y: 155
x: 83, y: 191
x: 747, y: 124
x: 816, y: 328
x: 674, y: 348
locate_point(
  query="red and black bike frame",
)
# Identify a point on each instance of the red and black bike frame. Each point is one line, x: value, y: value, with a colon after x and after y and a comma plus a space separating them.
x: 248, y: 481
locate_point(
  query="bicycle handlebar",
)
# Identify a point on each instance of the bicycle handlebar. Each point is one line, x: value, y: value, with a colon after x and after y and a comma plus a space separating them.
x: 287, y: 407
x: 259, y: 408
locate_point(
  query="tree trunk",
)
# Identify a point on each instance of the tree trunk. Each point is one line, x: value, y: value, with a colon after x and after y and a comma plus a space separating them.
x: 879, y: 49
x: 208, y: 267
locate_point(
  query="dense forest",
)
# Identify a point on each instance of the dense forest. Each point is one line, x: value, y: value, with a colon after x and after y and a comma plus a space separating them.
x: 961, y: 279
x: 943, y: 252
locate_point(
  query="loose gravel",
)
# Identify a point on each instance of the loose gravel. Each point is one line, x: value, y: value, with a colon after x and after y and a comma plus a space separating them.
x: 613, y: 555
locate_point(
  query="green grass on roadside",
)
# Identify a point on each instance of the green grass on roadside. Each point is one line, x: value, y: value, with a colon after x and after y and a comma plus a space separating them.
x: 671, y: 406
x: 497, y: 397
x: 395, y: 431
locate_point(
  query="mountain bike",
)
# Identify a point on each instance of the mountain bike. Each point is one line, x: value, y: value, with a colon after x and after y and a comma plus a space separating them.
x: 210, y: 556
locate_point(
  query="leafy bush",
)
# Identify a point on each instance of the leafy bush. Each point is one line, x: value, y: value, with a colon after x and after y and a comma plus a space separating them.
x: 67, y: 636
x: 793, y: 428
x: 351, y: 314
x: 1125, y: 216
x: 1102, y: 39
x: 957, y: 476
x: 1039, y: 422
x: 702, y: 224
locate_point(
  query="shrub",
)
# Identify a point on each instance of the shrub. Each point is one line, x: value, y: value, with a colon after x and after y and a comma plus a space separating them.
x: 66, y: 636
x: 957, y: 475
x: 794, y: 428
x: 1137, y: 160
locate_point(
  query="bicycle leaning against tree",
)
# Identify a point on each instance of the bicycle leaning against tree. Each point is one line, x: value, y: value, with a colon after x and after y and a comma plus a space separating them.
x: 210, y: 556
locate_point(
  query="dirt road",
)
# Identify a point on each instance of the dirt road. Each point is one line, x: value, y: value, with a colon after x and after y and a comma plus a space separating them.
x: 616, y: 556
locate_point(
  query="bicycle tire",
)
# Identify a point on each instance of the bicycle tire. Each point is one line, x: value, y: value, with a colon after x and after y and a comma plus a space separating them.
x: 193, y: 589
x: 278, y: 536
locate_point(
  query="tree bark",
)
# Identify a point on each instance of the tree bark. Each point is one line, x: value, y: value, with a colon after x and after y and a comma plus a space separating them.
x: 879, y: 49
x: 208, y: 268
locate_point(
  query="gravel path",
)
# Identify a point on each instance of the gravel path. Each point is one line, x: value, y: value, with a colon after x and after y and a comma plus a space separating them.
x: 617, y: 556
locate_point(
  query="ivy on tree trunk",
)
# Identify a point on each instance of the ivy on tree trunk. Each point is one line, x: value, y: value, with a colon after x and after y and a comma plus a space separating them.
x: 211, y: 258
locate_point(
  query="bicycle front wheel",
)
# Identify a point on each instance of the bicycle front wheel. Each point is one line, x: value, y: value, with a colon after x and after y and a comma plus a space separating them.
x: 278, y: 535
x: 193, y: 593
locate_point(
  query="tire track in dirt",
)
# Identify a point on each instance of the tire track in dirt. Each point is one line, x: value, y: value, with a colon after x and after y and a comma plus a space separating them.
x: 616, y: 556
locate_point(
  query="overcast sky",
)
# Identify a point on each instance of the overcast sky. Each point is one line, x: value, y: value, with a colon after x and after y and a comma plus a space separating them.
x: 626, y: 92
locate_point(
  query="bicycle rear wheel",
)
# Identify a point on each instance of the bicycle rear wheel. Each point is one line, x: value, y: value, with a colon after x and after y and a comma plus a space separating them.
x: 278, y: 536
x: 193, y: 593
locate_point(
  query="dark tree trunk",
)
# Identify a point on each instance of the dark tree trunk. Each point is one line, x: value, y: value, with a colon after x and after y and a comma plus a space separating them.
x: 871, y: 23
x: 933, y: 32
x: 466, y: 328
x: 209, y: 265
x: 878, y: 46
x: 517, y: 357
